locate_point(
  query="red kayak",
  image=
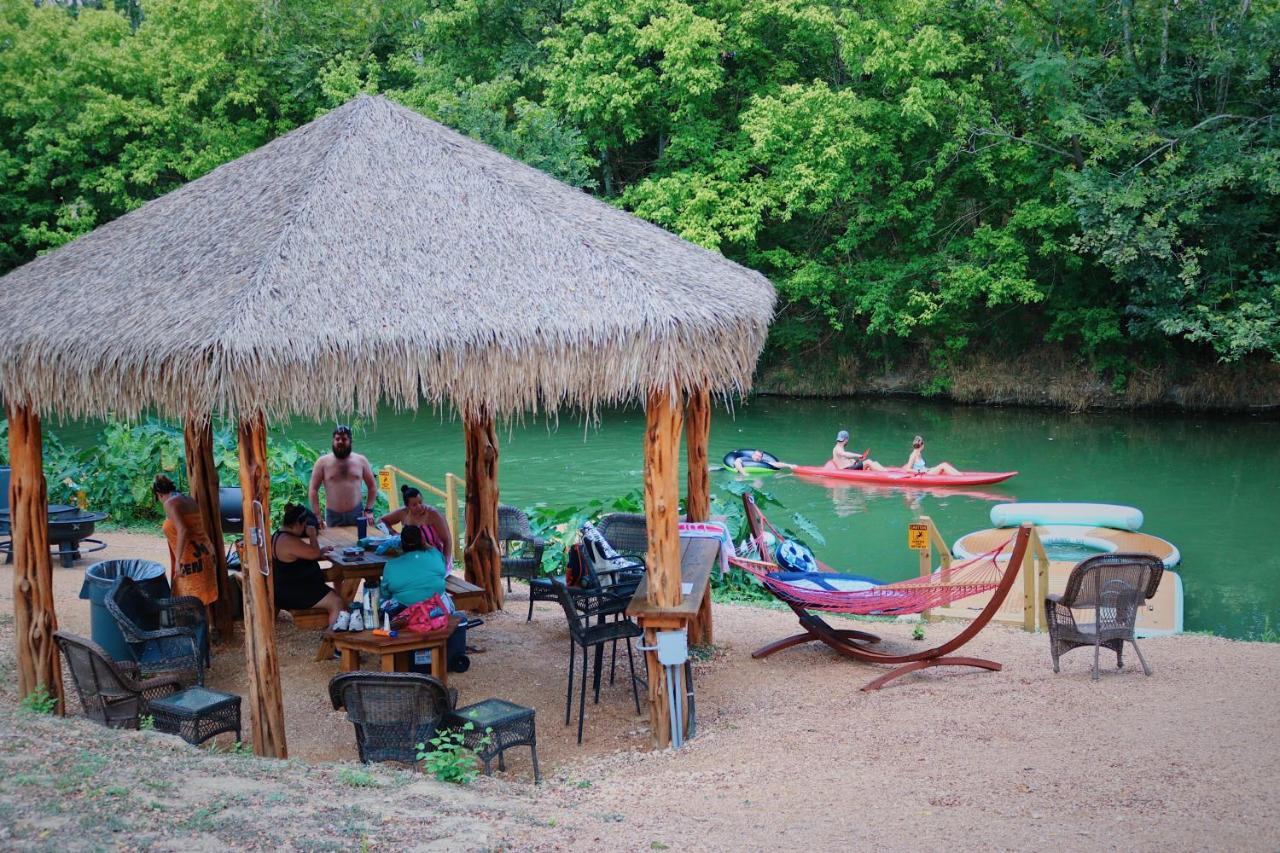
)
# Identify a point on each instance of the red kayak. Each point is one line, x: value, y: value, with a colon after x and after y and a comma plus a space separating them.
x: 899, y: 477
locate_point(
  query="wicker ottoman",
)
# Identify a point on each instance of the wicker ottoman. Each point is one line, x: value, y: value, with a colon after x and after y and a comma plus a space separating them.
x: 197, y: 714
x: 511, y: 725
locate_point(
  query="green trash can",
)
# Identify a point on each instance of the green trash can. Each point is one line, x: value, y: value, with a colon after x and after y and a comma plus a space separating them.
x: 98, y: 580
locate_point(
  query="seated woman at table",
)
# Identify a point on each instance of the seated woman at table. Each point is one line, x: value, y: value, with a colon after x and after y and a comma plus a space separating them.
x: 418, y: 573
x: 296, y: 554
x: 415, y: 513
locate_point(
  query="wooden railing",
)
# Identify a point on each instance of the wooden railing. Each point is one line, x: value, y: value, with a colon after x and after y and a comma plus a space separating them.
x: 924, y: 538
x: 387, y: 476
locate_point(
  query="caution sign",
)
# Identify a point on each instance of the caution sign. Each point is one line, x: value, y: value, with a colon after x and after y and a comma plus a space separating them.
x: 918, y: 536
x: 386, y: 481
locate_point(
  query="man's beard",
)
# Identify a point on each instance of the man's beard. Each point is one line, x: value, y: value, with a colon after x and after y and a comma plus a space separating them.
x: 342, y: 452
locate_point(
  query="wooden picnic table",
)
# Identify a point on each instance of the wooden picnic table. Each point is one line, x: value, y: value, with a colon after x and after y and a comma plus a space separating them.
x: 347, y: 572
x: 698, y: 556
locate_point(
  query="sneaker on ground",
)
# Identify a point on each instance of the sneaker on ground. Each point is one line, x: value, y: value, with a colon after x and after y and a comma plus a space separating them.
x: 343, y: 623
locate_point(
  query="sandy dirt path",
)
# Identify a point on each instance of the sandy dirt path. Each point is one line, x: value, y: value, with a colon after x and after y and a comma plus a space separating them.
x: 792, y: 755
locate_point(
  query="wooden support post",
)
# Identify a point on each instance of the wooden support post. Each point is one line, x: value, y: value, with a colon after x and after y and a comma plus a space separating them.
x: 202, y: 477
x: 266, y: 706
x: 661, y: 506
x: 697, y: 434
x: 34, y: 619
x: 926, y: 564
x: 483, y: 562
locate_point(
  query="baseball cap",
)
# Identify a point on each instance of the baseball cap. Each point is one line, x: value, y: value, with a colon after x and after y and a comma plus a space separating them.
x: 842, y: 435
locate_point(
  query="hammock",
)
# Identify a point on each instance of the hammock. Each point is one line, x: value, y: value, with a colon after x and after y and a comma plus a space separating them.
x: 980, y: 574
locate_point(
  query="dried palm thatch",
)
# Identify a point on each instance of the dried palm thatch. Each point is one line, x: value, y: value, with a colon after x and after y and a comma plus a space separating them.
x: 374, y: 255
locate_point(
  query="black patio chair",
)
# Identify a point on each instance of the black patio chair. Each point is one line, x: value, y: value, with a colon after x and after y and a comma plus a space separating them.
x: 1108, y: 588
x: 6, y: 545
x: 111, y: 692
x: 522, y: 555
x: 588, y: 630
x: 168, y: 636
x: 392, y: 712
x: 627, y: 533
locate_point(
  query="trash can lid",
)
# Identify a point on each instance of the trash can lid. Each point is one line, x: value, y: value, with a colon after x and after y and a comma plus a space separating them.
x: 105, y: 572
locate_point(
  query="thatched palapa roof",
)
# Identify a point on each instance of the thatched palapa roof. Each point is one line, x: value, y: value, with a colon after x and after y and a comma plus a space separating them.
x: 374, y: 254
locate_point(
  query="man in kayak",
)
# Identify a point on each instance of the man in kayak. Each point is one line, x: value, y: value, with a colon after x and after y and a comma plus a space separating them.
x: 841, y: 458
x: 917, y: 465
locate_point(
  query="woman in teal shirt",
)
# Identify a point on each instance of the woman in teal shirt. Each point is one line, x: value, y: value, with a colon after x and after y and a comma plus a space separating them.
x: 415, y: 575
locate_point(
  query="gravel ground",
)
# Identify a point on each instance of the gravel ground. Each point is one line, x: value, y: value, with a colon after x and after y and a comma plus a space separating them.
x: 790, y: 754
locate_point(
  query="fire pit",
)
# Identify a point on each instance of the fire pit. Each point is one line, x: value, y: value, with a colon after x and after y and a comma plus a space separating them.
x: 69, y: 526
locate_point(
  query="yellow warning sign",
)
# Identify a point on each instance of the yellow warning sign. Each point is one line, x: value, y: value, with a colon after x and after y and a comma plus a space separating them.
x: 918, y: 536
x: 386, y: 481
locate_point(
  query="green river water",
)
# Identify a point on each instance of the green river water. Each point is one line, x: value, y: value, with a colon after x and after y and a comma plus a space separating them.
x: 1210, y: 485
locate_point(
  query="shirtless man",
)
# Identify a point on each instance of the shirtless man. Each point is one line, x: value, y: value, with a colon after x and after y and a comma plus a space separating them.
x: 842, y: 458
x: 340, y: 472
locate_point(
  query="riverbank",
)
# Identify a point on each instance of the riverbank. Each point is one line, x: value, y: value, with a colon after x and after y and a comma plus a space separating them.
x: 1048, y: 377
x: 790, y: 754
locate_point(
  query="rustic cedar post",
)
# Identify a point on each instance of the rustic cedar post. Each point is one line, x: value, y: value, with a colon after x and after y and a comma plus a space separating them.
x: 482, y: 559
x: 34, y: 619
x: 265, y: 702
x: 661, y: 507
x: 697, y: 434
x: 202, y: 476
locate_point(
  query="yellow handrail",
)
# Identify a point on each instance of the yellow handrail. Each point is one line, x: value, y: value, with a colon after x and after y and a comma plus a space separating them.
x: 387, y: 483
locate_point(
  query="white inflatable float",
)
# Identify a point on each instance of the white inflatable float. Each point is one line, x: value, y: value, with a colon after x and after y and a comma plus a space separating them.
x: 1114, y: 516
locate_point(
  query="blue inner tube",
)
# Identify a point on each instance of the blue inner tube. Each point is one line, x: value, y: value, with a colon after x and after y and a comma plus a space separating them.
x: 766, y: 462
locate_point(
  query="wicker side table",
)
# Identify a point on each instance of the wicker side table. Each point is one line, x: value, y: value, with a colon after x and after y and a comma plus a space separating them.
x: 511, y: 725
x: 197, y: 714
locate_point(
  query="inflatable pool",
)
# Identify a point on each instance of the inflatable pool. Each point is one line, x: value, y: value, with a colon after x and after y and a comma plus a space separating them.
x: 1084, y: 514
x: 899, y: 477
x: 766, y: 464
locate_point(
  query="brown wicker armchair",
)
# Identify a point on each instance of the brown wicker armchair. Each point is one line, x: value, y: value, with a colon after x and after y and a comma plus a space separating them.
x: 392, y: 712
x: 110, y: 692
x: 1108, y: 589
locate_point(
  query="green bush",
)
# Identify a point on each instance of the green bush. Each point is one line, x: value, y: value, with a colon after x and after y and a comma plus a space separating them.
x: 39, y: 701
x: 449, y: 760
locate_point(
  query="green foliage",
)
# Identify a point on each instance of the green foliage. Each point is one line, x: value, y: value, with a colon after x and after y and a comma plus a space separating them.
x: 357, y: 778
x: 449, y: 760
x: 559, y: 526
x: 931, y: 177
x: 917, y: 633
x: 147, y: 723
x: 115, y: 469
x: 39, y: 701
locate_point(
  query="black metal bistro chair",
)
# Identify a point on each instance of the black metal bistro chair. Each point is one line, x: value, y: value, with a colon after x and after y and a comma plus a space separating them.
x: 587, y: 630
x: 1107, y: 590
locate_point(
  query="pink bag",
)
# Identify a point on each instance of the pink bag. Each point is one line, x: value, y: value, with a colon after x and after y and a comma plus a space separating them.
x: 423, y: 617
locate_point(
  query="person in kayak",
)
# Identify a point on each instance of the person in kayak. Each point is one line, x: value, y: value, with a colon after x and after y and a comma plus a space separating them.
x: 843, y: 459
x: 917, y: 465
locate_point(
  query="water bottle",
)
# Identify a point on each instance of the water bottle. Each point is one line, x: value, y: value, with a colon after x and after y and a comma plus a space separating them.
x: 362, y: 527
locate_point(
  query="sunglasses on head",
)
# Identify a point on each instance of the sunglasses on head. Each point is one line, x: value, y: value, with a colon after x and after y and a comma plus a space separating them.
x: 342, y: 430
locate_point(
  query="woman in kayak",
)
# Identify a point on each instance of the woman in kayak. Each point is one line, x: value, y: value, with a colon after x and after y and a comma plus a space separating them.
x: 917, y: 465
x: 843, y: 459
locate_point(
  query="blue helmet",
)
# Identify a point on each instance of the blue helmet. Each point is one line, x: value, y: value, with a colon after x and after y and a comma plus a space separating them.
x: 795, y: 556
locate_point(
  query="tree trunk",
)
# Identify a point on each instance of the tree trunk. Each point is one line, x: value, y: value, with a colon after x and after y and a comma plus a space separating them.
x: 266, y: 705
x: 34, y: 619
x: 202, y: 476
x: 697, y: 434
x: 661, y: 506
x: 482, y: 559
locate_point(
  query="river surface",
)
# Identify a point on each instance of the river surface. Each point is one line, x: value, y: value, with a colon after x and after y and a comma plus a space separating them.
x: 1210, y: 485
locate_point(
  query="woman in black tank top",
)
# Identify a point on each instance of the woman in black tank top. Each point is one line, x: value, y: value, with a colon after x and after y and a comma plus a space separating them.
x: 298, y: 579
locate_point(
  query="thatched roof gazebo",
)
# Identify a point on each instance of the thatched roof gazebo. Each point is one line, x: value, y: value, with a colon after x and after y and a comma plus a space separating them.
x: 371, y: 255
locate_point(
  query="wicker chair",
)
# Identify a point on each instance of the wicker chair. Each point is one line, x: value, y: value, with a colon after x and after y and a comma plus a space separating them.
x: 110, y: 691
x: 1110, y: 587
x: 522, y: 555
x: 392, y: 712
x: 168, y: 636
x: 626, y: 532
